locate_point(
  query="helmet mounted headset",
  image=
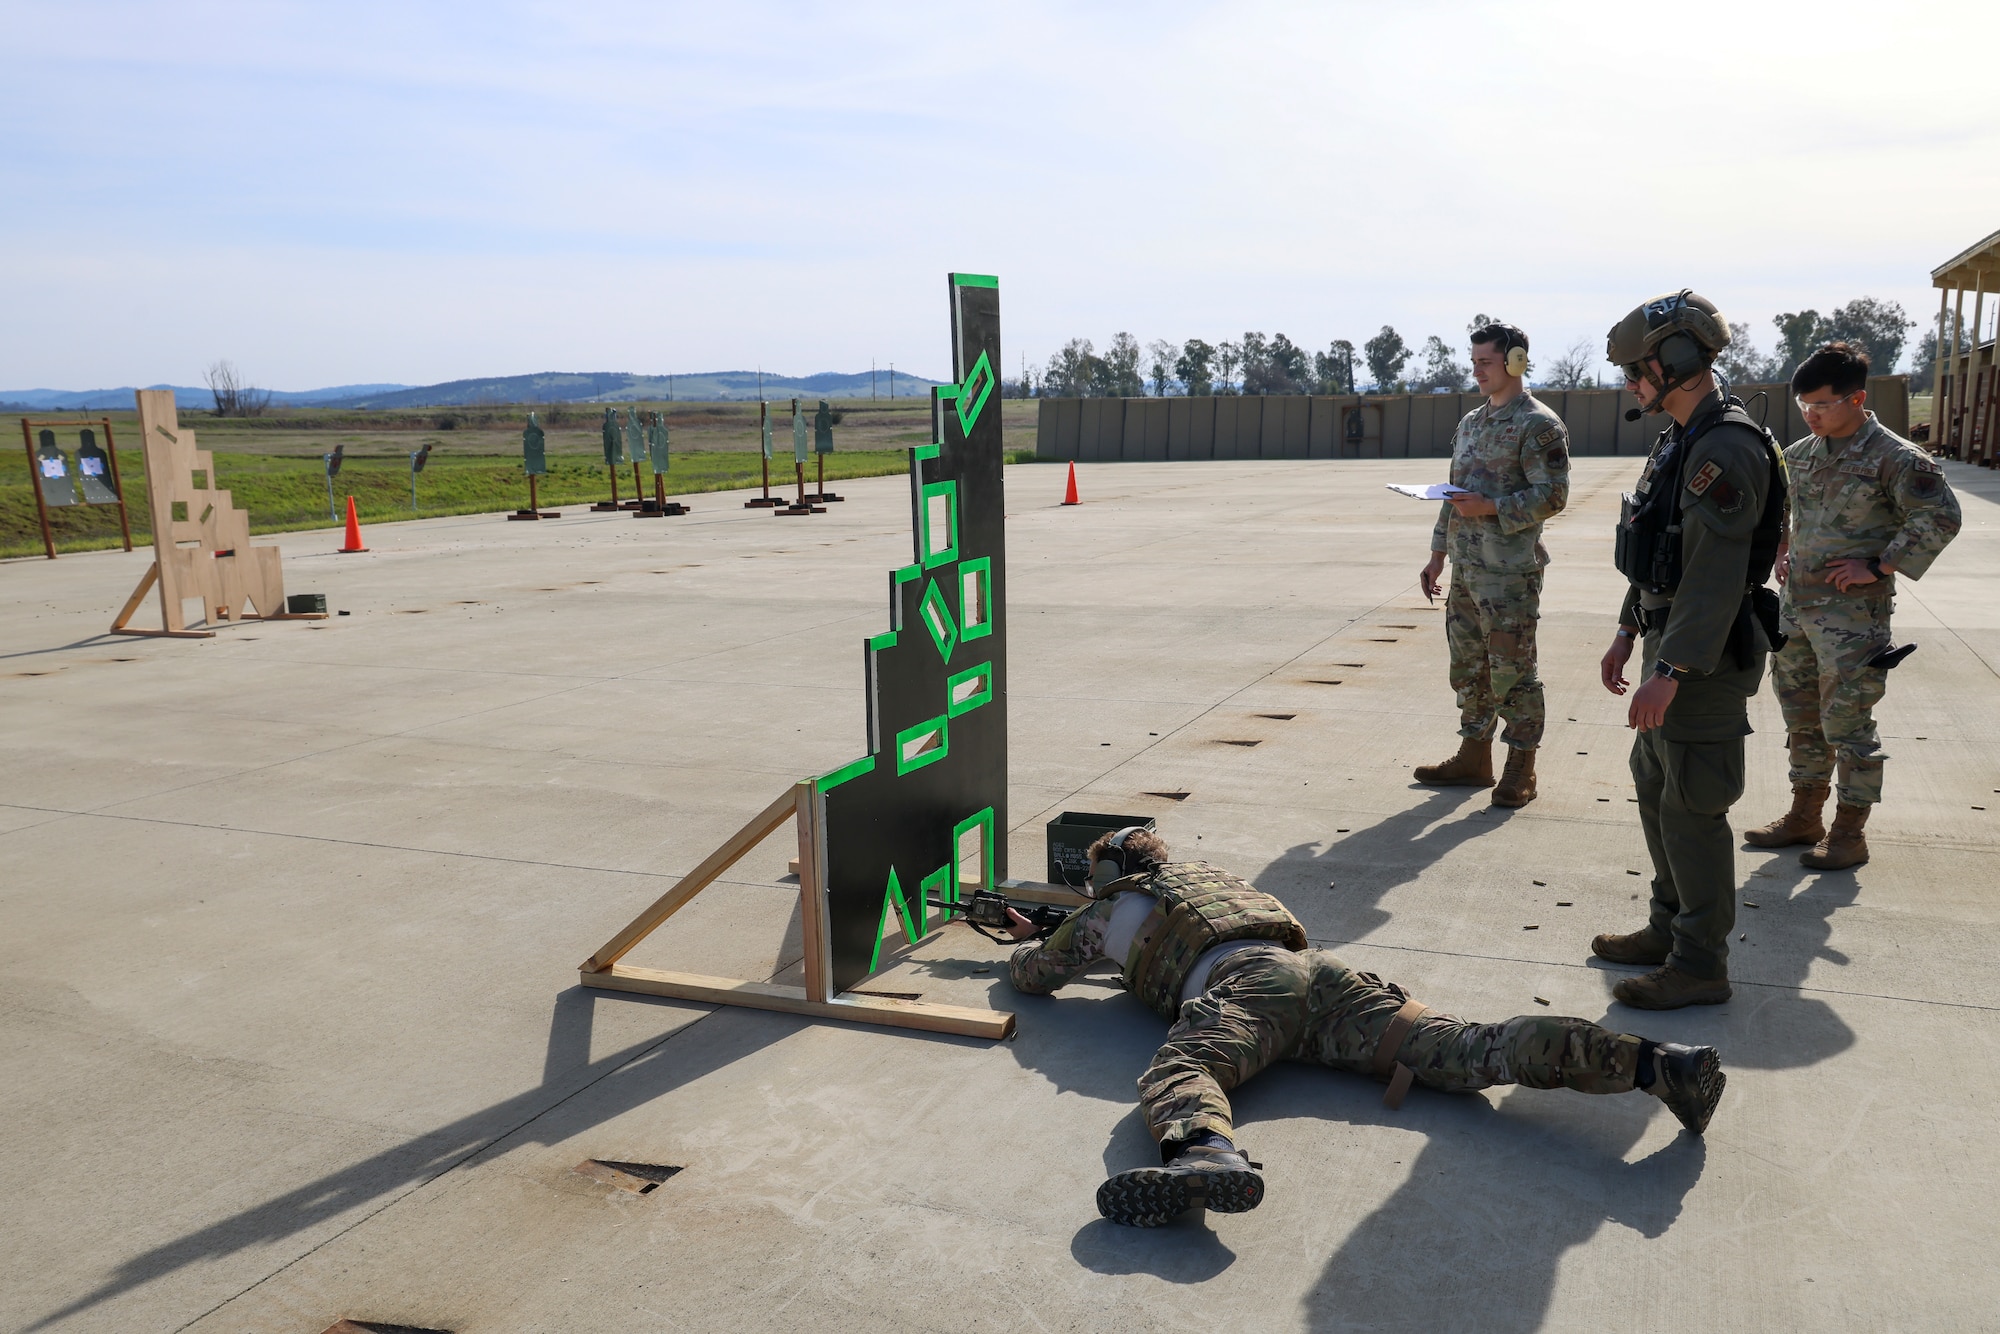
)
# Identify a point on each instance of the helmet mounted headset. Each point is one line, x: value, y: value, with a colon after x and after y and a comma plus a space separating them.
x: 1682, y: 332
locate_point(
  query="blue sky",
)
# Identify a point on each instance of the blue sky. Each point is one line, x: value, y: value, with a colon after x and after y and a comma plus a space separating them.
x: 417, y: 192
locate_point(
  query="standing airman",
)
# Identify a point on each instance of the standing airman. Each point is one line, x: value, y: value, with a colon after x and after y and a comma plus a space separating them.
x: 1511, y: 457
x: 1866, y: 507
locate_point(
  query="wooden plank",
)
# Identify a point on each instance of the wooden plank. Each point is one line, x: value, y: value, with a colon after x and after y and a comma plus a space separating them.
x: 138, y: 595
x: 1037, y: 891
x: 809, y: 805
x: 961, y: 1020
x: 671, y: 902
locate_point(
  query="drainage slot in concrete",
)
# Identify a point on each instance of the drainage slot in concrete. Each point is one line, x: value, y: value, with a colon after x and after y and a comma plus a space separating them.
x: 1322, y: 681
x: 379, y: 1327
x: 1171, y: 796
x: 1350, y: 664
x: 1241, y: 743
x: 1279, y: 717
x: 1382, y: 641
x: 639, y: 1178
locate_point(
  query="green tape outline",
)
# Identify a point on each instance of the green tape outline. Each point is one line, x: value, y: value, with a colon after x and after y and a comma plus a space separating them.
x: 952, y: 707
x: 983, y: 818
x: 983, y: 567
x: 940, y: 724
x: 974, y: 280
x: 826, y: 782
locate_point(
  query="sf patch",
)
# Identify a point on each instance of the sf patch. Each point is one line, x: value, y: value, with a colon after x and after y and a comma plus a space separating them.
x: 1704, y: 478
x: 1548, y: 437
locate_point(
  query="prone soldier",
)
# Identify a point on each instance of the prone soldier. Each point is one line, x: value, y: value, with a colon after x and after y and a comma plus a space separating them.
x: 1228, y: 966
x: 1511, y: 456
x: 1867, y: 507
x: 1696, y: 540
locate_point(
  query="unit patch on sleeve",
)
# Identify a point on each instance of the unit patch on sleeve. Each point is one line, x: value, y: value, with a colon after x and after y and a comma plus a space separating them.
x: 1704, y: 478
x: 1558, y: 457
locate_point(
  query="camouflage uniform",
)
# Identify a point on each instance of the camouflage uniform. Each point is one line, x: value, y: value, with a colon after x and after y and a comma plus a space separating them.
x: 1519, y: 456
x: 1872, y: 495
x: 1269, y: 1003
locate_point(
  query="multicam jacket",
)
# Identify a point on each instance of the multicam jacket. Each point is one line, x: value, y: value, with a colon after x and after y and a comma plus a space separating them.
x: 1519, y: 456
x: 1196, y: 906
x: 1877, y: 496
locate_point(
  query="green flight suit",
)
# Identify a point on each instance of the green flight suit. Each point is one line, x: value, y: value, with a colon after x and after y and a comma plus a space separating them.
x: 1689, y: 771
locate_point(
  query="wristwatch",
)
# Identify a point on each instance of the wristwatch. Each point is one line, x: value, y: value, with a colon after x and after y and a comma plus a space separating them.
x: 1875, y: 566
x: 1623, y: 633
x: 1666, y: 671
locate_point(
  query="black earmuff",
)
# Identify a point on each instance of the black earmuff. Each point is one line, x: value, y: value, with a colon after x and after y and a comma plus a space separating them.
x: 1112, y: 866
x: 1681, y: 357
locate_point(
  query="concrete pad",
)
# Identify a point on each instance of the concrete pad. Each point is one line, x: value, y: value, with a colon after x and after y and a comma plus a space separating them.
x: 289, y: 1025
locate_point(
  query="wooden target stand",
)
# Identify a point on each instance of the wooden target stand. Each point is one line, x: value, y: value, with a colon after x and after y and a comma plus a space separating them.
x: 802, y: 805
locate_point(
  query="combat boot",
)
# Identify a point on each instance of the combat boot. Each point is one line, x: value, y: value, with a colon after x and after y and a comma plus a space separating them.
x: 1517, y: 782
x: 1645, y: 946
x: 1689, y: 1081
x: 1199, y: 1177
x: 1801, y: 824
x: 1844, y: 845
x: 1471, y: 767
x: 1668, y: 988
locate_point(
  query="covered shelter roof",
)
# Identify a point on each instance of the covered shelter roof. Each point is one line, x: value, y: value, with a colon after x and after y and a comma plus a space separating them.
x: 1964, y: 268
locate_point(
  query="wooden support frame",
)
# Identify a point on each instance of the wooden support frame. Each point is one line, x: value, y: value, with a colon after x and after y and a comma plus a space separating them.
x: 801, y: 805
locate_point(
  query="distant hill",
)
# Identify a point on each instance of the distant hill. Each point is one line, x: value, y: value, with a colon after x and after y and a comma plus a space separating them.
x: 623, y: 387
x: 185, y: 396
x: 544, y: 387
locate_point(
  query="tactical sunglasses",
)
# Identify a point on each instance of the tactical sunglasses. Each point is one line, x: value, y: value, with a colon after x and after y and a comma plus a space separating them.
x: 1822, y: 407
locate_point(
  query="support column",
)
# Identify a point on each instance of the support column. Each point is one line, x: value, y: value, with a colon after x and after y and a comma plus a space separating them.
x: 1950, y: 419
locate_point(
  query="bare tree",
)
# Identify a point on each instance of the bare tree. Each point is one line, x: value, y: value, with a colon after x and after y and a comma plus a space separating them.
x: 1161, y: 355
x: 233, y: 398
x: 1576, y: 368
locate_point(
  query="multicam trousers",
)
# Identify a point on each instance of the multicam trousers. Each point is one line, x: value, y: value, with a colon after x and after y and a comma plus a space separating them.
x: 1829, y: 695
x: 1489, y: 625
x: 1270, y: 1005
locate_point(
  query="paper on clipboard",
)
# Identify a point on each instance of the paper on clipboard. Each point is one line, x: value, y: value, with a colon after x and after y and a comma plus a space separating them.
x: 1435, y: 491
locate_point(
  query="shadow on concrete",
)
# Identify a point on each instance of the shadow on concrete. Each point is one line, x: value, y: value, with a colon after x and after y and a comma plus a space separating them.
x: 1492, y: 1202
x: 1772, y: 1022
x: 1186, y: 1252
x: 1364, y: 865
x: 645, y: 1071
x: 93, y: 641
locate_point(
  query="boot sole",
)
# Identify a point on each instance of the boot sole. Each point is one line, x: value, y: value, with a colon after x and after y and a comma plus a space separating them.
x: 1454, y: 782
x: 1807, y: 862
x: 1513, y: 805
x: 1152, y: 1196
x: 1641, y: 1002
x: 1802, y: 841
x: 1693, y: 1107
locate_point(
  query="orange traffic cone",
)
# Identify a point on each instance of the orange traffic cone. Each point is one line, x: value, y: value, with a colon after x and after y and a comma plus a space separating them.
x: 353, y: 542
x: 1069, y: 496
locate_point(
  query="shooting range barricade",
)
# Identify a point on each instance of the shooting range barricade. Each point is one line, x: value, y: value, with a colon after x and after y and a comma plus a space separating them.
x: 897, y: 843
x: 201, y: 540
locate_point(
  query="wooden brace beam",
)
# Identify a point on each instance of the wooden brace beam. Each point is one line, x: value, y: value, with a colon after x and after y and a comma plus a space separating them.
x: 962, y: 1020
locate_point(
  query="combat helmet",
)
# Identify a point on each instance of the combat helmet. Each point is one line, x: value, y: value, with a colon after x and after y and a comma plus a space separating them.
x: 1686, y: 332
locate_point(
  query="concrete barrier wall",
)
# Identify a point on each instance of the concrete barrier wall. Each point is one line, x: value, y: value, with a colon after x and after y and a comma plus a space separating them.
x: 1288, y: 426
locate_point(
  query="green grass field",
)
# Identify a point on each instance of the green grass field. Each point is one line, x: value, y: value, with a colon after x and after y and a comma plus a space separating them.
x: 271, y: 465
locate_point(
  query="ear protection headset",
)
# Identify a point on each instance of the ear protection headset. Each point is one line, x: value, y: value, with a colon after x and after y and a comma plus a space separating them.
x: 1110, y: 865
x: 1514, y: 344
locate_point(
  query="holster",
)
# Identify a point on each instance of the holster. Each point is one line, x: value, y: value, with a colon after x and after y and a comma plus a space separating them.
x: 1891, y: 655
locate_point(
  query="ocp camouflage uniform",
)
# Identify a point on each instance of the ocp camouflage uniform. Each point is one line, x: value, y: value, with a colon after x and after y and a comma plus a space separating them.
x: 1266, y: 1000
x: 1874, y: 495
x: 1517, y: 455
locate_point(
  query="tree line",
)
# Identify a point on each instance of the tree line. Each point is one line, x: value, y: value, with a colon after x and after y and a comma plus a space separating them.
x: 1389, y: 364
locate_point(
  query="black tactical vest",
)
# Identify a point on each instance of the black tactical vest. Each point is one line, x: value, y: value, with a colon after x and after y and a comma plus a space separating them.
x: 1648, y: 546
